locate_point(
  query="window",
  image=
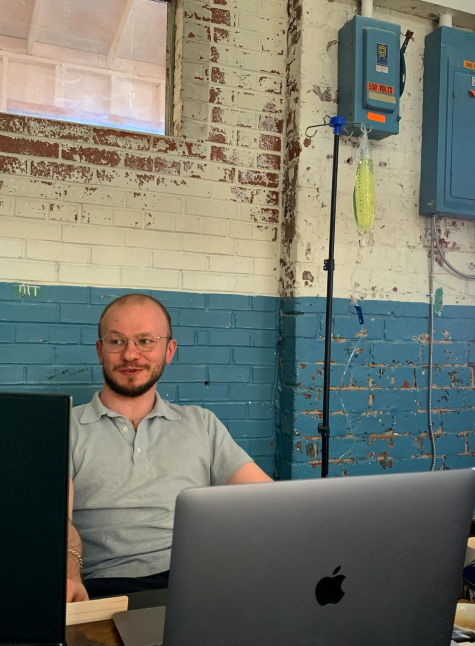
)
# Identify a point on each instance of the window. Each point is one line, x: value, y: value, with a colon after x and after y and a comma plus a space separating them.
x: 100, y: 62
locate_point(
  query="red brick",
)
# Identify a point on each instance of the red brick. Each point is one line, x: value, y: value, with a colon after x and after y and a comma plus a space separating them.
x: 58, y: 130
x: 97, y: 156
x: 230, y: 156
x: 165, y: 144
x: 121, y: 139
x: 21, y: 146
x: 211, y: 14
x: 294, y: 149
x: 221, y: 35
x: 273, y: 198
x: 10, y: 123
x: 138, y: 162
x: 270, y: 142
x: 13, y: 166
x: 218, y: 135
x: 257, y: 178
x: 271, y: 124
x: 166, y: 166
x: 270, y: 162
x: 218, y: 76
x: 63, y: 172
x: 188, y: 149
x: 264, y: 214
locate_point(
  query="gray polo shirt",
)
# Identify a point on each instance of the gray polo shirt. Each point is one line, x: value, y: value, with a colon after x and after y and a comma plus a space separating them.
x: 126, y: 483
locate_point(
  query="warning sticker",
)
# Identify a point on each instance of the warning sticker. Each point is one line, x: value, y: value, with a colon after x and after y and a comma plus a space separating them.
x: 384, y: 89
x: 473, y: 81
x: 372, y: 116
x: 469, y: 65
x: 382, y: 58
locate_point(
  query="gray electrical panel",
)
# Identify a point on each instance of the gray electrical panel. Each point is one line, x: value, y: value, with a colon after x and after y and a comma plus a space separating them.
x: 448, y: 131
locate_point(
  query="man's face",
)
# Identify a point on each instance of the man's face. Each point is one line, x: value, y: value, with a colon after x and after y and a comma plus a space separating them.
x: 132, y: 373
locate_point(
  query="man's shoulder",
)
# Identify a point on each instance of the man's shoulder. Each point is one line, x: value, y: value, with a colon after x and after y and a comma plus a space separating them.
x: 186, y: 412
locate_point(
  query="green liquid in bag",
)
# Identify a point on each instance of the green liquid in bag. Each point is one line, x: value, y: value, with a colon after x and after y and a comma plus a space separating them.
x: 363, y: 195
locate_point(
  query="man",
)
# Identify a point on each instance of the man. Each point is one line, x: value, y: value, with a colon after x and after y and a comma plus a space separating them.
x: 132, y: 453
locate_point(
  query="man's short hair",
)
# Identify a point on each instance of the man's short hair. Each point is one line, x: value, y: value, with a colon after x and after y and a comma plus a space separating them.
x: 136, y: 298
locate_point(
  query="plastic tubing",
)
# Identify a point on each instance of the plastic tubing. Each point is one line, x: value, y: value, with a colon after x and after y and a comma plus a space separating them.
x: 367, y: 8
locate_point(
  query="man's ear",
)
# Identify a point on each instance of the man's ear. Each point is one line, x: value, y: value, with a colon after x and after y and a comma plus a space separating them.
x: 171, y: 349
x: 99, y: 351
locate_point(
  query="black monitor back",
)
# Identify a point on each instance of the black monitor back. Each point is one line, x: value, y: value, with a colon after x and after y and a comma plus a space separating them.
x: 34, y: 478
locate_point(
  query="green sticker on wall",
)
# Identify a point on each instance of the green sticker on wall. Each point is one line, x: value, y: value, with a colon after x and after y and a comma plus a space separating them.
x: 439, y: 301
x: 27, y: 291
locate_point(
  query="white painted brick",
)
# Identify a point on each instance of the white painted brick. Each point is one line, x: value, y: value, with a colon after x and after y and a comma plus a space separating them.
x: 31, y: 208
x: 96, y: 215
x: 207, y: 282
x: 6, y: 206
x: 179, y: 260
x: 57, y: 251
x: 207, y: 244
x: 240, y: 230
x: 264, y: 267
x: 211, y: 208
x: 154, y: 202
x: 64, y: 212
x: 187, y: 224
x: 257, y: 285
x: 154, y: 278
x: 153, y: 240
x: 128, y: 218
x: 254, y: 249
x: 88, y: 275
x: 35, y: 188
x: 215, y: 227
x: 265, y: 232
x: 159, y: 221
x: 22, y: 270
x: 230, y: 264
x: 11, y: 248
x: 29, y: 230
x: 95, y: 195
x: 120, y: 256
x: 84, y: 234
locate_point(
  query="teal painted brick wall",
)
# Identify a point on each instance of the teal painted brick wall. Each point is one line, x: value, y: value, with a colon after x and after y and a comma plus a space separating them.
x: 384, y: 390
x: 226, y: 358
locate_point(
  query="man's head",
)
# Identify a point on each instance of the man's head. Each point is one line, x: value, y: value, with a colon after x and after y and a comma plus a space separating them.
x: 133, y: 370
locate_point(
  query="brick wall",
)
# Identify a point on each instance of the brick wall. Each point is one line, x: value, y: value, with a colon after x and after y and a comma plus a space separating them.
x: 226, y: 357
x: 384, y: 390
x: 90, y: 206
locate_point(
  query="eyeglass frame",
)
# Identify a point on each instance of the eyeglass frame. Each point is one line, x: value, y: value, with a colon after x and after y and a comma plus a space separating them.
x: 131, y: 338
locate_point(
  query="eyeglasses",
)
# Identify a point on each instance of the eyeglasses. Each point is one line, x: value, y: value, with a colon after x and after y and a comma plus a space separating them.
x: 116, y: 343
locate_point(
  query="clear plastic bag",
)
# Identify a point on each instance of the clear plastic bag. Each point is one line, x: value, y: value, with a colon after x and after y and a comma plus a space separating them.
x: 363, y: 194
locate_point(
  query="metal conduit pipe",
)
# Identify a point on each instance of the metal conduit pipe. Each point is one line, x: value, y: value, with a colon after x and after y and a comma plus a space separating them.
x: 367, y: 8
x: 446, y: 19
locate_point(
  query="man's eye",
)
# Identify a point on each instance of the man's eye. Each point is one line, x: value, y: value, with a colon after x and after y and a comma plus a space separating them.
x: 116, y: 342
x: 145, y: 341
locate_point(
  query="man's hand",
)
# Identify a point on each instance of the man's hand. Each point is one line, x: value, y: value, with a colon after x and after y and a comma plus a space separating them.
x: 75, y: 591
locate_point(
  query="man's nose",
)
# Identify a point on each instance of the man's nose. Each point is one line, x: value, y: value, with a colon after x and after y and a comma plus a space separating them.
x: 130, y: 351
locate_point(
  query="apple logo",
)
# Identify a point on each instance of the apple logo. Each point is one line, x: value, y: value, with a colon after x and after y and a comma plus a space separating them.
x: 329, y: 590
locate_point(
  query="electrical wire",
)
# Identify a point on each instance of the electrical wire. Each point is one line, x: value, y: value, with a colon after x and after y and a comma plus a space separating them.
x: 460, y: 273
x: 431, y: 344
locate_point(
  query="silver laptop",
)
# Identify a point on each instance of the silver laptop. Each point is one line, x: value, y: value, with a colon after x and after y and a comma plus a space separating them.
x: 362, y: 561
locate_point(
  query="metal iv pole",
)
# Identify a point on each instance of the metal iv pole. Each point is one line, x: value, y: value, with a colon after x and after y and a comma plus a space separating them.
x: 337, y: 123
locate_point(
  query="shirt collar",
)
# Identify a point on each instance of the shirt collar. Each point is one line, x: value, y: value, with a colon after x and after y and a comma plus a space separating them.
x: 96, y: 409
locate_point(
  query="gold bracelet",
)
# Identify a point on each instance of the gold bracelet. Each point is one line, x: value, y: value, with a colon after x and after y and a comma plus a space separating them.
x: 78, y: 556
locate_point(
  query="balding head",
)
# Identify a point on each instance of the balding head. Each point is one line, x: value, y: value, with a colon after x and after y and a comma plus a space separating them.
x: 135, y: 299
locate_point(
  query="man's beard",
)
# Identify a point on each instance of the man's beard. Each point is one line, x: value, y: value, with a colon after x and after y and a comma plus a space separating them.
x: 133, y: 391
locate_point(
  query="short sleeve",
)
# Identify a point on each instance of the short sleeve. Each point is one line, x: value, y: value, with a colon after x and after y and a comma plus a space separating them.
x: 73, y: 438
x: 227, y: 457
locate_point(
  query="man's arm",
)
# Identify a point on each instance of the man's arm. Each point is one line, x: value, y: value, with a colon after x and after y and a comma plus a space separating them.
x: 250, y: 472
x: 75, y: 589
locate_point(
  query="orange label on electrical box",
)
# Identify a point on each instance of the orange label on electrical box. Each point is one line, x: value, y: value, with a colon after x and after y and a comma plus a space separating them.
x: 372, y: 116
x: 469, y: 65
x: 383, y: 89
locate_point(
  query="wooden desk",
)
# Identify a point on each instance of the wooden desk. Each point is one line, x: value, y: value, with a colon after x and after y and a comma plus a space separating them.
x: 93, y: 634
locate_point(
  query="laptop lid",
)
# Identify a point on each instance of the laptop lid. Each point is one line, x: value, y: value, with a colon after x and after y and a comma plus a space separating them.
x: 362, y: 561
x: 34, y: 475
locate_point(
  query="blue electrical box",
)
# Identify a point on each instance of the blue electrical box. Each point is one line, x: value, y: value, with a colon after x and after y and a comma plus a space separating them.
x: 369, y: 75
x: 448, y: 130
